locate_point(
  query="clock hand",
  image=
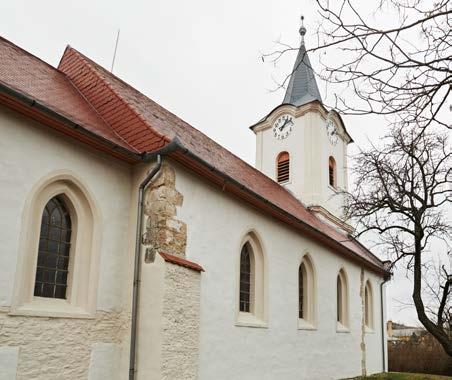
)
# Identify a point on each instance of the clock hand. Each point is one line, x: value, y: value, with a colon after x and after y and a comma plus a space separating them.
x: 282, y: 126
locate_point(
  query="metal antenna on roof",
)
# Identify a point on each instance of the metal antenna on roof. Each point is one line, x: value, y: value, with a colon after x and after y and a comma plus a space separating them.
x: 116, y: 48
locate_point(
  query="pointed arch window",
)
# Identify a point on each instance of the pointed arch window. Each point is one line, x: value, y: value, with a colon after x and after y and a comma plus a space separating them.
x: 342, y: 299
x: 54, y: 247
x: 368, y: 306
x: 58, y: 269
x: 332, y: 175
x: 252, y: 285
x: 301, y: 291
x: 245, y: 279
x: 283, y: 167
x: 306, y: 294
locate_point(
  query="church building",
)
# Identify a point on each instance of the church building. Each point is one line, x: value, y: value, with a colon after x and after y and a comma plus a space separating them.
x: 135, y: 247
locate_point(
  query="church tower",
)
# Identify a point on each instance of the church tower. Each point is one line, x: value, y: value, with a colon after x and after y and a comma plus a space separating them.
x: 303, y: 146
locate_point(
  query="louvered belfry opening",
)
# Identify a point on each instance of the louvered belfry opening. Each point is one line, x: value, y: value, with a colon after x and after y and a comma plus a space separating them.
x: 332, y: 171
x: 283, y: 164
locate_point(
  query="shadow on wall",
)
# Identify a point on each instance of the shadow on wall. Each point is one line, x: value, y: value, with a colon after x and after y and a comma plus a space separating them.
x: 419, y: 354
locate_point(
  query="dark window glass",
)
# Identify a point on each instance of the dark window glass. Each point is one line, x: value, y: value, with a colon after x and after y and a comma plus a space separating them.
x: 300, y: 291
x: 53, y: 254
x: 339, y: 299
x: 245, y: 279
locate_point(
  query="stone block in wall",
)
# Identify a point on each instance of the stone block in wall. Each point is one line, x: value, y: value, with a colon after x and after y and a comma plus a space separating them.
x: 9, y: 356
x: 104, y: 361
x: 163, y: 231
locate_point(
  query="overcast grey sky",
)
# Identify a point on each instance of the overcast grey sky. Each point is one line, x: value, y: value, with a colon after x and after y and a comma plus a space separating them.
x: 200, y: 59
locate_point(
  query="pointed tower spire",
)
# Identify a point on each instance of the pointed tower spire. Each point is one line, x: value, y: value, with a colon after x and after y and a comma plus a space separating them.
x: 302, y: 86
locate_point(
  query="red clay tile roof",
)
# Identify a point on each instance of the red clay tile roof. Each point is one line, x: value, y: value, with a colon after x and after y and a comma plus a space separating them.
x: 181, y: 261
x: 31, y: 76
x: 113, y: 108
x: 119, y: 114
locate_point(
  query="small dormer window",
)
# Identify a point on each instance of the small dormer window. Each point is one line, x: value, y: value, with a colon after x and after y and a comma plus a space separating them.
x: 283, y: 164
x: 332, y: 172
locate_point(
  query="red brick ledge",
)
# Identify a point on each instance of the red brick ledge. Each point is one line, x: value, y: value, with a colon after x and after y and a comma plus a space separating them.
x: 182, y: 262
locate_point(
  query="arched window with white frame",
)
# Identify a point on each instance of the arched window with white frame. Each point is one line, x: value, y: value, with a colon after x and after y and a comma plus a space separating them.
x: 368, y: 306
x: 252, y: 284
x: 246, y: 279
x: 306, y: 293
x: 342, y: 299
x: 58, y: 264
x: 55, y: 241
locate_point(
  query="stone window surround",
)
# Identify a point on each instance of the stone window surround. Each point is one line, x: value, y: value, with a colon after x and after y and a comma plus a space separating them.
x: 343, y: 325
x: 369, y: 308
x: 310, y: 295
x: 83, y: 276
x: 258, y: 315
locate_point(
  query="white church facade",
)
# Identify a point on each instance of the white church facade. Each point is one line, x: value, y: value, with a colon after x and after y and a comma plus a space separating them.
x: 135, y: 247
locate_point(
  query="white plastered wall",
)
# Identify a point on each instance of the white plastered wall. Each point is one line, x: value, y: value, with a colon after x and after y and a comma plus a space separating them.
x: 217, y: 224
x: 28, y: 153
x: 309, y: 149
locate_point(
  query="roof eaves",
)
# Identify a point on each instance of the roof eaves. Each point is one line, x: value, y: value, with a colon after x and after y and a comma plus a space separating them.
x: 176, y: 146
x: 68, y: 122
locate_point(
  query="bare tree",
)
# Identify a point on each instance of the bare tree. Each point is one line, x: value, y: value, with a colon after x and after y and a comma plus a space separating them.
x: 401, y: 192
x: 402, y: 71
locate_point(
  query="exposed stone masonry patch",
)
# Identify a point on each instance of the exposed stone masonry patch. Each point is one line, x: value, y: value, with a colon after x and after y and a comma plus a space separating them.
x: 59, y: 348
x: 164, y: 232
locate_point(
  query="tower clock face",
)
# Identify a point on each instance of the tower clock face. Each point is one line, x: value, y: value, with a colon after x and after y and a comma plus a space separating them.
x: 331, y: 131
x: 283, y: 126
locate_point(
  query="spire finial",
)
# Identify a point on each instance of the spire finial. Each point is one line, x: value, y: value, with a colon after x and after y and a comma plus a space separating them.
x: 302, y: 29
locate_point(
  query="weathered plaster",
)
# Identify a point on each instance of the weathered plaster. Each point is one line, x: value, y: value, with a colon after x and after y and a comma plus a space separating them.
x: 59, y: 348
x: 104, y: 361
x: 9, y: 356
x: 180, y: 327
x: 363, y: 323
x: 168, y: 333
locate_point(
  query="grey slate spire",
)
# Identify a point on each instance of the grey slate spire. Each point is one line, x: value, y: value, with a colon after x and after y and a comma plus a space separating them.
x: 302, y: 86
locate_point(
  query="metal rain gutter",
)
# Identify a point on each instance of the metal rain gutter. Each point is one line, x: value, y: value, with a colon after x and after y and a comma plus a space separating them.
x: 383, y: 327
x: 33, y: 103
